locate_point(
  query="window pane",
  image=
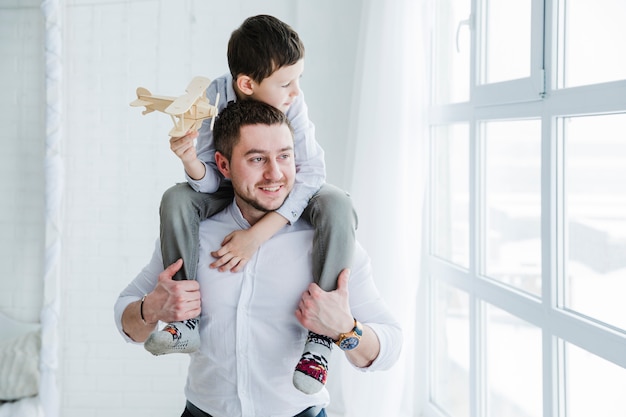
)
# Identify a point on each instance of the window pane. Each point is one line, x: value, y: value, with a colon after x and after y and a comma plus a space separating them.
x: 450, y: 382
x: 506, y: 54
x: 595, y: 199
x: 513, y: 359
x: 593, y: 41
x: 451, y: 193
x: 513, y: 203
x: 594, y: 386
x: 452, y: 42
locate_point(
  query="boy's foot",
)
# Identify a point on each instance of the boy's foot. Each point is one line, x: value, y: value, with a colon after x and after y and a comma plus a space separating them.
x: 312, y: 370
x: 176, y: 337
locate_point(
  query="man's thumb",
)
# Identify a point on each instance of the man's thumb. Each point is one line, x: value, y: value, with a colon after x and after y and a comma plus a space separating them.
x: 343, y: 279
x: 174, y: 268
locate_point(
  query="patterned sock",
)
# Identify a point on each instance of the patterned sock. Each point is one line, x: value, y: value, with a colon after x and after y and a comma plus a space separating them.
x: 311, y: 372
x: 176, y: 337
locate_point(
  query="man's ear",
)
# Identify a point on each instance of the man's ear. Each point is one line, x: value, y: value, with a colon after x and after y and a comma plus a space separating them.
x: 245, y: 84
x: 222, y: 164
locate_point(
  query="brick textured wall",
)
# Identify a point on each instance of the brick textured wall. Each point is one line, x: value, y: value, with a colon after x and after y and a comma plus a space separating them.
x: 21, y: 162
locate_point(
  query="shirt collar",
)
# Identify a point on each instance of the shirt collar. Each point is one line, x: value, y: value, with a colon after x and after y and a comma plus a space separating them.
x: 236, y: 214
x: 230, y: 90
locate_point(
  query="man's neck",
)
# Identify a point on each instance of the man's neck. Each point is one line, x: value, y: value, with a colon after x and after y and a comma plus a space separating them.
x: 249, y: 213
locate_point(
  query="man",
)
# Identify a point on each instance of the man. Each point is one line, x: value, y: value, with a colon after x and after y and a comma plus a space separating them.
x: 254, y: 322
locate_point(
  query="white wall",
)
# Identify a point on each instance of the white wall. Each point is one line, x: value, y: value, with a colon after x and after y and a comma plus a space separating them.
x: 117, y: 164
x: 21, y: 155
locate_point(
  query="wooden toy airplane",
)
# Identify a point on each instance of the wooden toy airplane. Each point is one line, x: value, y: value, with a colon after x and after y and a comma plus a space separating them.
x: 187, y: 111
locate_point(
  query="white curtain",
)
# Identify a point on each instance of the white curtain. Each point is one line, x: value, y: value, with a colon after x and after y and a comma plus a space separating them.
x: 387, y: 147
x: 50, y: 313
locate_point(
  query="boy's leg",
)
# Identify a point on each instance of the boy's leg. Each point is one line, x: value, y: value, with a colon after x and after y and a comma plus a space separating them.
x: 182, y: 210
x: 331, y: 213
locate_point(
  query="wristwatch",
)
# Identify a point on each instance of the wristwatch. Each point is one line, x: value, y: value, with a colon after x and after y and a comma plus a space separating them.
x: 350, y: 340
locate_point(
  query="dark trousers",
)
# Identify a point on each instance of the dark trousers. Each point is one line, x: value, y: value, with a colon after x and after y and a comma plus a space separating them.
x: 193, y: 411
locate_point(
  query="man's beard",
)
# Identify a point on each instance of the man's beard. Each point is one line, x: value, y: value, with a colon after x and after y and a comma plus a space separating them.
x: 257, y: 205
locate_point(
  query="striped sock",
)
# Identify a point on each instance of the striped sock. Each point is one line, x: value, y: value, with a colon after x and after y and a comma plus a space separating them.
x: 176, y: 337
x: 312, y: 369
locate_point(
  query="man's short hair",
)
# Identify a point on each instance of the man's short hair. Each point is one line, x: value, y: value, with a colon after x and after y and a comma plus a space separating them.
x: 227, y: 128
x: 261, y: 45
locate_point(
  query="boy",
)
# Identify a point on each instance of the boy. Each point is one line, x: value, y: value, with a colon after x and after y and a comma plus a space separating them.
x: 266, y: 60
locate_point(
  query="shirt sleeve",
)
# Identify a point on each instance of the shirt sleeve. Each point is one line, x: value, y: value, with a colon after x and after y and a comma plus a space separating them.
x: 310, y: 166
x: 370, y: 309
x: 205, y: 147
x: 143, y: 284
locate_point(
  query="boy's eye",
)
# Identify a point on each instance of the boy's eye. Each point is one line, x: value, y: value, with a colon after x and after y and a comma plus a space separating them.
x: 286, y: 85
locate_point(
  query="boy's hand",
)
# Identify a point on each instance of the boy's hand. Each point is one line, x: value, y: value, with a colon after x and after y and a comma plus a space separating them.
x: 184, y: 147
x: 237, y: 249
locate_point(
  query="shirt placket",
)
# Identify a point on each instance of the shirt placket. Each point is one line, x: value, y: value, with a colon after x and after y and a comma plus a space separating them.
x: 243, y: 324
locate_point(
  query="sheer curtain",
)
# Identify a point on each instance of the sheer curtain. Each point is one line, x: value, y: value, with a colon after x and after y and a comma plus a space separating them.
x: 388, y: 160
x: 50, y: 313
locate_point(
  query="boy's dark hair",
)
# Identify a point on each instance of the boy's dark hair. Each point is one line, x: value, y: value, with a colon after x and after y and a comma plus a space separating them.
x: 241, y: 113
x: 261, y: 45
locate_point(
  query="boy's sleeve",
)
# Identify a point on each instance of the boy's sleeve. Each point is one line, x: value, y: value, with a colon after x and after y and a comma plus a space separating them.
x: 310, y: 166
x: 205, y: 148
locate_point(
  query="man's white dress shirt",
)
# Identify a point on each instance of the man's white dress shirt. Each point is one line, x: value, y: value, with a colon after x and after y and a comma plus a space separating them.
x: 251, y: 339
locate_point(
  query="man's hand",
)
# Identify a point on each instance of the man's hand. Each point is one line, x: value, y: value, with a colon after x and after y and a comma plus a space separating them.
x: 237, y: 249
x: 169, y: 301
x: 172, y: 300
x: 327, y: 313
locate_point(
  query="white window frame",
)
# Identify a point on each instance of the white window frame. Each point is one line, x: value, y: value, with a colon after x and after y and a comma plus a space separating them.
x: 535, y: 97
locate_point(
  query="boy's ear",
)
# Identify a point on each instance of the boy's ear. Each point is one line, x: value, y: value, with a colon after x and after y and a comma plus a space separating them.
x: 245, y: 84
x: 222, y: 164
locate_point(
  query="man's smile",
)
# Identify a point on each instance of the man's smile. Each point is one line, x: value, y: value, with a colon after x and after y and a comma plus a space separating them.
x: 271, y: 188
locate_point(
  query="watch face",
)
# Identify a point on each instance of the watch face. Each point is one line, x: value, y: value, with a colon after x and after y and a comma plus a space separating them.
x: 349, y: 343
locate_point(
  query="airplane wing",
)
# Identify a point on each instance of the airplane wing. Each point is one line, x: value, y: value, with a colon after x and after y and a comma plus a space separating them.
x: 139, y: 102
x: 141, y: 94
x: 195, y: 90
x: 198, y: 86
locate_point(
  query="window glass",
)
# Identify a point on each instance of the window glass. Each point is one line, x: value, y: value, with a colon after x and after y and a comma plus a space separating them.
x: 513, y: 203
x: 451, y: 74
x: 593, y: 386
x: 506, y: 40
x: 595, y: 200
x: 513, y: 363
x: 451, y: 193
x: 593, y: 41
x: 450, y: 387
x: 492, y: 222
